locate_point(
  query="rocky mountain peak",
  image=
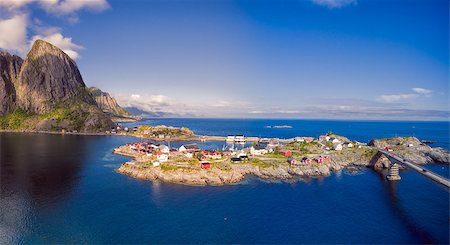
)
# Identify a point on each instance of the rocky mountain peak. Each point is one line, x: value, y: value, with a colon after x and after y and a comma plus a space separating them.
x: 47, y: 78
x: 46, y: 92
x: 41, y: 47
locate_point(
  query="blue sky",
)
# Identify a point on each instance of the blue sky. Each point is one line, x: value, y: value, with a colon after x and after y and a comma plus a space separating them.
x: 362, y: 59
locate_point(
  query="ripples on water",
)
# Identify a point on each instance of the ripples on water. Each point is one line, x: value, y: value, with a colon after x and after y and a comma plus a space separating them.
x: 63, y: 189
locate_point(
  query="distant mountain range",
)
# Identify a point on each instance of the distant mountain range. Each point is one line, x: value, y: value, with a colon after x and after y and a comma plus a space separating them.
x: 46, y: 92
x: 110, y: 106
x: 155, y: 114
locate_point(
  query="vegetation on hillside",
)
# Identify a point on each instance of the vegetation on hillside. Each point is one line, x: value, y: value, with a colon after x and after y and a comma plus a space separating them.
x: 14, y: 120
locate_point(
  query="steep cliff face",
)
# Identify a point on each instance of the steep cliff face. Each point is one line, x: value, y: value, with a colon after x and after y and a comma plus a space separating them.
x: 107, y: 103
x: 48, y: 77
x: 9, y: 71
x: 47, y: 92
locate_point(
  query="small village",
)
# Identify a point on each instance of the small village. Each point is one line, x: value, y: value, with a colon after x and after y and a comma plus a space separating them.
x: 265, y: 153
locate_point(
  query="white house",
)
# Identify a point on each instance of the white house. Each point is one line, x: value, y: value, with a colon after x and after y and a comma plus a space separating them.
x: 335, y: 141
x: 189, y: 148
x: 350, y: 145
x: 156, y: 164
x: 241, y: 153
x: 299, y: 139
x: 258, y: 150
x: 189, y: 155
x: 162, y: 157
x: 338, y: 147
x: 164, y: 148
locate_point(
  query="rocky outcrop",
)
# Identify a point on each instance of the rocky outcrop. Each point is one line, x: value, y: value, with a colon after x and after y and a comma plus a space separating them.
x: 9, y: 71
x: 413, y: 150
x: 107, y: 103
x: 217, y: 176
x: 49, y: 91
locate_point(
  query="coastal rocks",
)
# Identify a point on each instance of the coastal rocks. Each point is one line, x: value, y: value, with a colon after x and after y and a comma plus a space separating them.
x: 394, y: 141
x: 181, y: 175
x: 379, y: 161
x: 413, y: 150
x: 439, y: 155
x: 216, y: 176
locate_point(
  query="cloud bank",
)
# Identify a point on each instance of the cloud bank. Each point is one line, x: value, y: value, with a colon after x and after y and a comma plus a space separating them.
x: 416, y: 92
x: 13, y: 33
x: 321, y: 108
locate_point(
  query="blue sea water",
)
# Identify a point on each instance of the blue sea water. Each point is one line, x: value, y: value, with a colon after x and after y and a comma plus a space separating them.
x: 64, y: 189
x: 362, y: 131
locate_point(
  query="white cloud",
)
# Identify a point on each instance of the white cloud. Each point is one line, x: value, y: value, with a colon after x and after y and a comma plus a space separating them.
x: 61, y: 7
x: 417, y: 92
x: 13, y: 33
x: 342, y: 109
x: 396, y: 97
x: 288, y: 111
x: 14, y: 30
x: 14, y: 4
x: 334, y: 3
x: 256, y: 112
x: 64, y: 43
x: 273, y: 112
x: 423, y: 91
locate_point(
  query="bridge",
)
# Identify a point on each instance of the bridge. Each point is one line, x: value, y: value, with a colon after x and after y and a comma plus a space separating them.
x: 427, y: 173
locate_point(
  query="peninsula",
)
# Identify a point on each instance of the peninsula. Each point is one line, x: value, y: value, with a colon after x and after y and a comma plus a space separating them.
x: 301, y: 157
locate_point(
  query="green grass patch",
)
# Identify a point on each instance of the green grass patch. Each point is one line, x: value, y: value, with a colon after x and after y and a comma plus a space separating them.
x: 168, y: 167
x: 370, y: 152
x: 259, y: 163
x: 57, y: 114
x: 274, y: 155
x: 14, y: 120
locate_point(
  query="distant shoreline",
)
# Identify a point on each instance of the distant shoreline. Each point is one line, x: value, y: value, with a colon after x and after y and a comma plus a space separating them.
x: 203, y: 138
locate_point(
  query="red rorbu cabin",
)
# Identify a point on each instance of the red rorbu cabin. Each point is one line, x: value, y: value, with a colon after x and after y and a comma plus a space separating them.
x: 286, y: 153
x: 205, y: 165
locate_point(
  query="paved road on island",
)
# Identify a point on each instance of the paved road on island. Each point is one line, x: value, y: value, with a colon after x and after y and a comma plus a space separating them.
x: 427, y: 173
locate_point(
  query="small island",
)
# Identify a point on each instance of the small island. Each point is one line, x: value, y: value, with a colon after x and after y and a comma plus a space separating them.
x: 279, y: 126
x: 300, y: 157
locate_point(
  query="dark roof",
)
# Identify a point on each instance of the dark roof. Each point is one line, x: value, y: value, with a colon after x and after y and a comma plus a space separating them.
x: 259, y: 147
x: 191, y: 146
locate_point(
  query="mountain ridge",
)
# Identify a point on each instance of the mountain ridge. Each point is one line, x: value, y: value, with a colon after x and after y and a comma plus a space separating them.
x: 110, y: 106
